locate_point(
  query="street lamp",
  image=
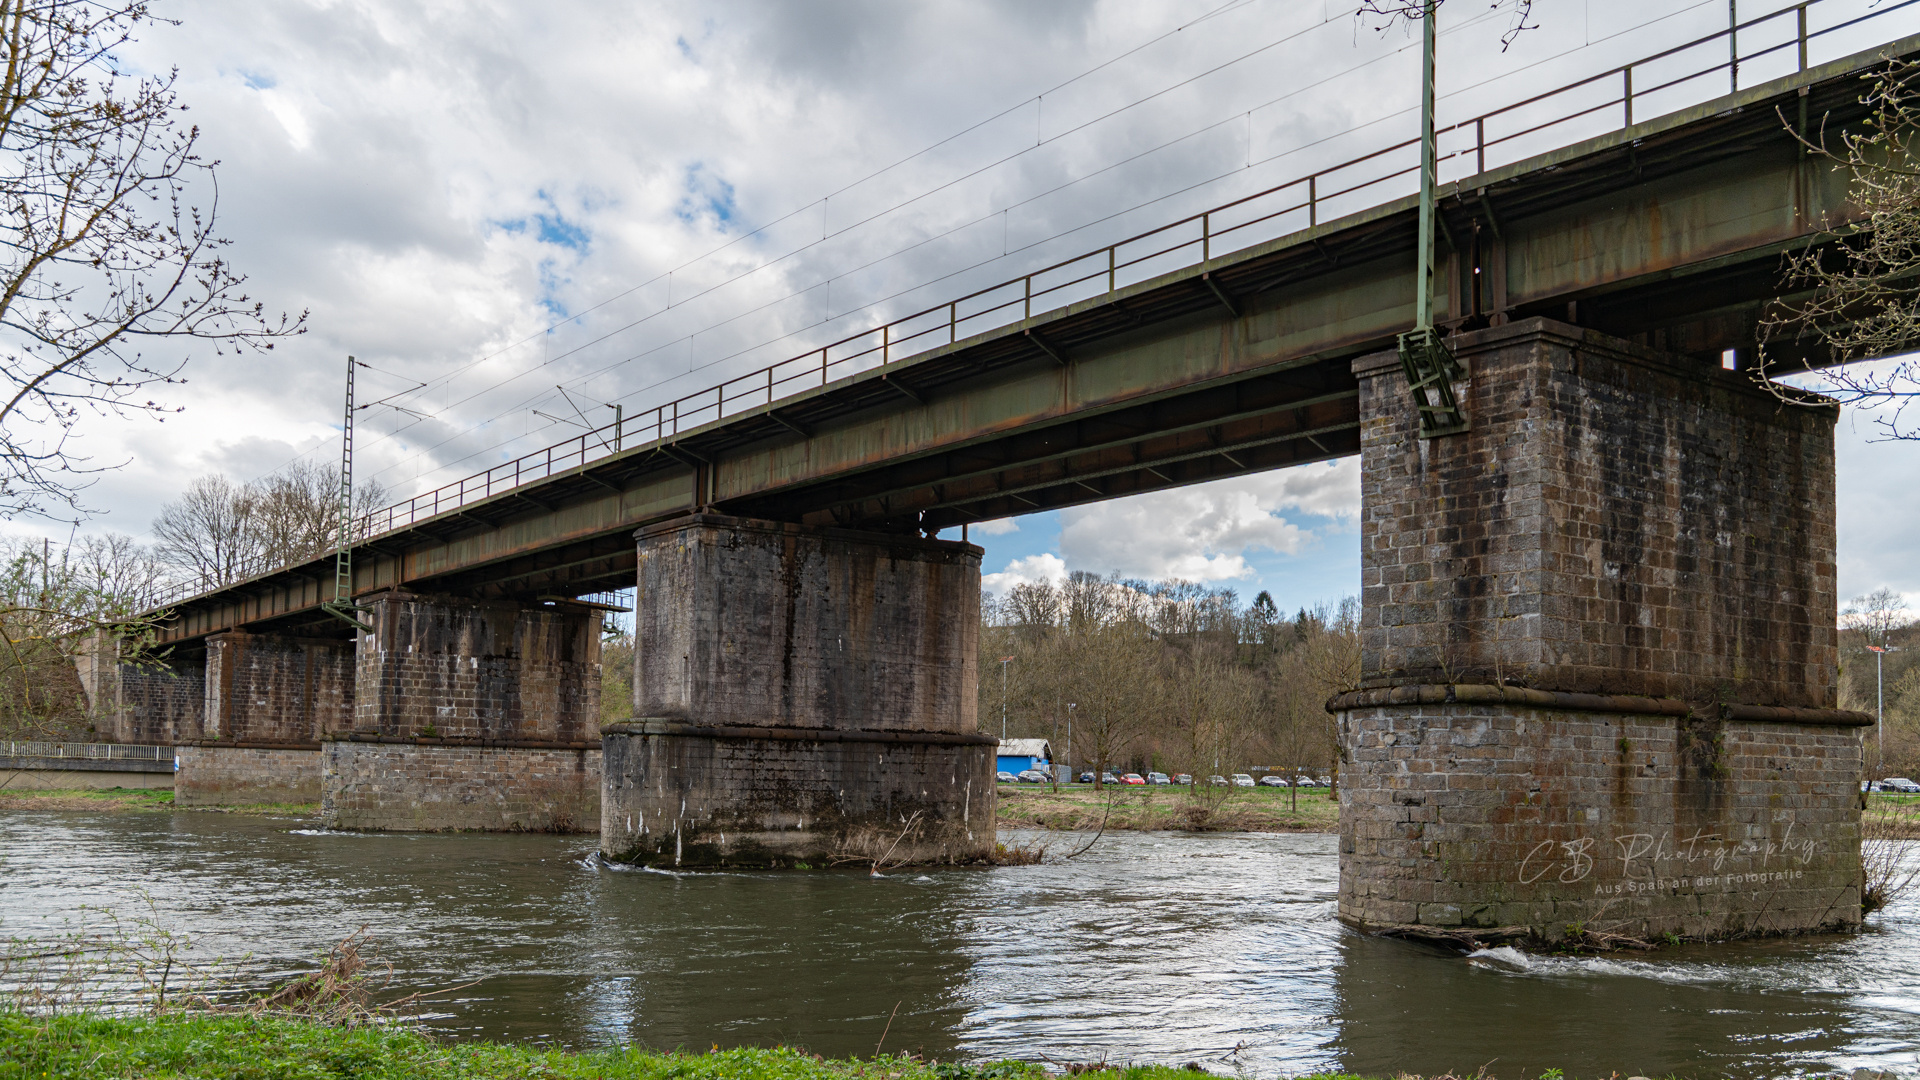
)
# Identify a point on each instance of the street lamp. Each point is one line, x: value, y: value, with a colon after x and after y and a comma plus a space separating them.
x: 1003, y: 697
x: 1070, y: 738
x: 1880, y: 692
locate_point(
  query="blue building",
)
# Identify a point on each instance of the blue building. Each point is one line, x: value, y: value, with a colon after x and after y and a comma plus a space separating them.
x: 1018, y: 755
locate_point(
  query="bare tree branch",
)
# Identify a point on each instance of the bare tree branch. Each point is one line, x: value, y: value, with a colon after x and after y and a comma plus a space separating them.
x: 1854, y: 291
x: 104, y: 254
x: 1392, y: 12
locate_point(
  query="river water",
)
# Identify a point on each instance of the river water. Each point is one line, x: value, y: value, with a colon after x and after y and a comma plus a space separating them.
x: 1150, y: 947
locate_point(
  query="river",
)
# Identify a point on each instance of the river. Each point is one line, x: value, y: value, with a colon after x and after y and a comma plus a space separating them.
x: 1220, y: 949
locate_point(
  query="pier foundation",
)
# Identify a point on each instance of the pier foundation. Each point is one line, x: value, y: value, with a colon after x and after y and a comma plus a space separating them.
x: 1599, y: 653
x: 469, y: 715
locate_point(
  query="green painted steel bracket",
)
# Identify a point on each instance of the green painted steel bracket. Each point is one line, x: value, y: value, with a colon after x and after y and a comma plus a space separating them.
x: 1431, y: 370
x: 341, y: 610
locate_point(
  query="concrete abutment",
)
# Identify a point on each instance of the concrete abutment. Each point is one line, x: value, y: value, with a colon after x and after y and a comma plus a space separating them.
x: 1599, y: 653
x: 801, y: 694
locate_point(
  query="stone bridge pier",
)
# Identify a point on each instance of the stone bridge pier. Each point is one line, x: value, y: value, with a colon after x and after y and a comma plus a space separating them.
x: 469, y: 714
x: 1599, y: 653
x: 801, y: 694
x: 245, y: 715
x: 269, y: 699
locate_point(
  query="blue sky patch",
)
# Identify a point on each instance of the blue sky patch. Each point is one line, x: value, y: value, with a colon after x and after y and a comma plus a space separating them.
x: 708, y: 197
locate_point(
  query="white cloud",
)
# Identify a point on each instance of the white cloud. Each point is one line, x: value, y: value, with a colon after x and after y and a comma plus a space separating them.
x: 1028, y: 571
x: 996, y: 527
x: 1204, y: 532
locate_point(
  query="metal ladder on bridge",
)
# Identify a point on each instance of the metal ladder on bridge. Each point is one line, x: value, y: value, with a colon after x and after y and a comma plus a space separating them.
x: 342, y: 606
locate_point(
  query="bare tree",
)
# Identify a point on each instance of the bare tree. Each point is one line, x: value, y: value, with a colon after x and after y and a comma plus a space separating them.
x: 106, y: 256
x: 297, y: 510
x: 1856, y: 287
x: 219, y: 531
x: 1877, y: 614
x: 55, y: 603
x: 208, y: 532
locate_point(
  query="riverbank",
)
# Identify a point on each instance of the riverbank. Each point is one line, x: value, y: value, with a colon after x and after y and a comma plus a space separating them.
x: 192, y: 1046
x: 1155, y: 808
x: 138, y: 800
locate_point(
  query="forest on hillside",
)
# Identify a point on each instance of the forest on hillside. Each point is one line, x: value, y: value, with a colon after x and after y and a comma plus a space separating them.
x: 1169, y: 675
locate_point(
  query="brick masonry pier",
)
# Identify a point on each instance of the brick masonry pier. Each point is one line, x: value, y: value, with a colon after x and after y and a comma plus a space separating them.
x: 215, y: 775
x: 802, y: 694
x: 439, y: 786
x: 244, y: 716
x: 469, y: 715
x: 1598, y: 653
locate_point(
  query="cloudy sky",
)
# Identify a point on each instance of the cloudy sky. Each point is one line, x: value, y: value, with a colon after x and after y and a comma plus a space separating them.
x: 519, y: 214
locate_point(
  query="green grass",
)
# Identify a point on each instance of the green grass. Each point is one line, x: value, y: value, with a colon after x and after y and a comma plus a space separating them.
x: 1079, y: 807
x: 88, y: 798
x: 194, y: 1046
x: 136, y: 799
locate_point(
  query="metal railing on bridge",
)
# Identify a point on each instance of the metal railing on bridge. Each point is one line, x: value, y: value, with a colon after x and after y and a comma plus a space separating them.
x: 1612, y: 99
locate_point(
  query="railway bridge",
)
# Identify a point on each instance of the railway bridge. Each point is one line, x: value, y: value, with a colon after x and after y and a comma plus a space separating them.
x: 1599, y: 634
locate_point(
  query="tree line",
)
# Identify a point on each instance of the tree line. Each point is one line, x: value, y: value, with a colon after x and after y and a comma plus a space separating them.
x: 1168, y: 675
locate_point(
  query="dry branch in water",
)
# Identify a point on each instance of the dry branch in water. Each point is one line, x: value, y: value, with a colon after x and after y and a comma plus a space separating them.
x: 118, y: 964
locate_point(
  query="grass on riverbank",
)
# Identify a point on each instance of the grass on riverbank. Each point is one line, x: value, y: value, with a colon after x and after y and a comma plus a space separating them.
x: 198, y: 1046
x: 137, y: 800
x: 1151, y: 808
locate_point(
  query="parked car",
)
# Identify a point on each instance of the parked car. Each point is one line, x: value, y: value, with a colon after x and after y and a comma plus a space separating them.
x: 1241, y: 779
x: 1004, y: 777
x: 1183, y: 778
x: 1305, y: 781
x: 1086, y: 778
x: 1158, y: 778
x: 1133, y: 778
x: 1900, y: 784
x: 1326, y: 781
x: 1217, y: 781
x: 1273, y: 781
x: 1033, y: 776
x: 1109, y: 778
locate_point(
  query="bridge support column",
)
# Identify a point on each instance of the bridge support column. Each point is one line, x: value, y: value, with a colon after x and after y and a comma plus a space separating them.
x: 159, y: 702
x: 801, y: 694
x: 268, y: 699
x: 1598, y: 653
x: 470, y: 715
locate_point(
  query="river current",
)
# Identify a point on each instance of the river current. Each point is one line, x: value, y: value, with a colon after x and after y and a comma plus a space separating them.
x: 1220, y: 949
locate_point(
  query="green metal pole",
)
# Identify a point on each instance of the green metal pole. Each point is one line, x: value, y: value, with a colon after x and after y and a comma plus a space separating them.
x: 1429, y: 365
x: 1429, y: 165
